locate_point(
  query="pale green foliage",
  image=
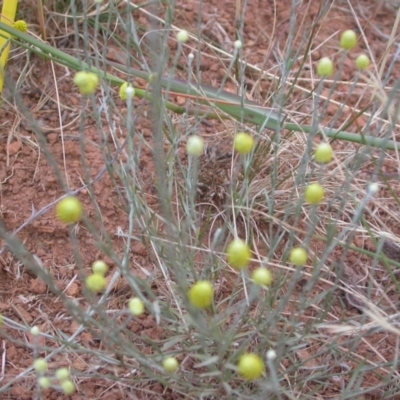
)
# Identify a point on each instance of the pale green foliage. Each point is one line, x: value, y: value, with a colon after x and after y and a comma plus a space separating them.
x: 227, y: 222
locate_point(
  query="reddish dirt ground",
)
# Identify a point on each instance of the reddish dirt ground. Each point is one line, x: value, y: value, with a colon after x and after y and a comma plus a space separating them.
x: 28, y: 183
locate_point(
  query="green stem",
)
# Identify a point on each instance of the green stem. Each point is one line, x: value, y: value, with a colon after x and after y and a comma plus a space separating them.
x: 241, y: 109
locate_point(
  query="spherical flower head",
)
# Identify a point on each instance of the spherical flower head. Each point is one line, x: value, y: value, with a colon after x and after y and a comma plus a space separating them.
x: 20, y: 25
x: 323, y: 153
x: 362, y: 62
x: 44, y: 382
x: 195, y: 146
x: 238, y: 44
x: 40, y: 365
x: 136, y: 306
x: 314, y: 193
x: 373, y: 188
x: 238, y: 254
x: 69, y: 210
x: 325, y: 67
x: 170, y: 364
x: 182, y: 36
x: 262, y: 276
x: 86, y: 82
x: 271, y: 354
x: 35, y: 331
x: 348, y: 39
x: 67, y: 387
x: 95, y: 283
x: 62, y: 374
x: 243, y: 143
x: 298, y: 256
x: 250, y: 366
x: 125, y: 90
x: 201, y: 294
x: 99, y: 267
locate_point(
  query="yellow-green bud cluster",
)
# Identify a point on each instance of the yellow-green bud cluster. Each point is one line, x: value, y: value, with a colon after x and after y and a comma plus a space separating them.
x: 20, y: 25
x: 125, y: 90
x: 86, y: 82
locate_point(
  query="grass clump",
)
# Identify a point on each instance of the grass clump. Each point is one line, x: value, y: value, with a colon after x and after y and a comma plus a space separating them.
x: 219, y: 309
